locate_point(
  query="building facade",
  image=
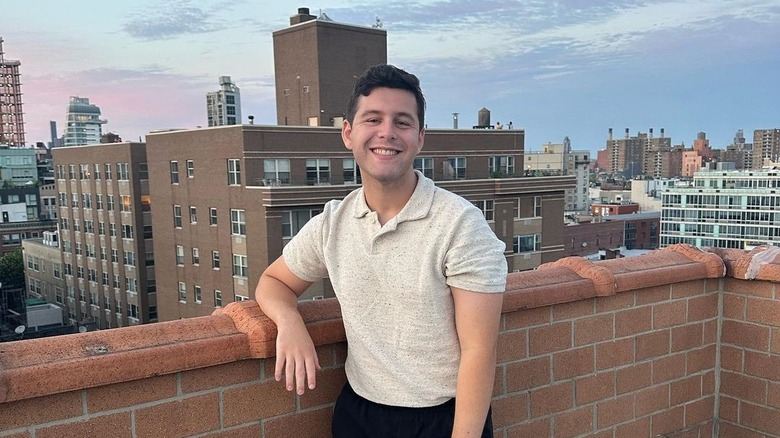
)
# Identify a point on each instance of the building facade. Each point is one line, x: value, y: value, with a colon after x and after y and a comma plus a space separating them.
x: 316, y: 63
x: 560, y: 159
x: 106, y: 234
x: 223, y: 107
x: 643, y: 154
x: 43, y: 270
x: 11, y: 111
x: 83, y: 124
x: 18, y: 166
x: 724, y: 208
x: 766, y: 146
x: 231, y: 197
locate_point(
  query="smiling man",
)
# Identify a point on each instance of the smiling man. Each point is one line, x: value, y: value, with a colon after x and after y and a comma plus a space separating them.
x: 419, y: 276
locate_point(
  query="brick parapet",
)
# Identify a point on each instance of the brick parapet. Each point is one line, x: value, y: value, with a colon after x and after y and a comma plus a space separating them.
x: 578, y: 340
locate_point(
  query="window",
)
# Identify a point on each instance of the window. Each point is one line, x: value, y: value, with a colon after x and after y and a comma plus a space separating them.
x: 116, y: 281
x: 92, y: 275
x: 103, y: 253
x: 174, y: 172
x: 317, y: 171
x: 293, y: 221
x: 149, y: 258
x: 190, y: 169
x: 193, y: 215
x: 212, y: 216
x: 63, y: 199
x: 195, y: 256
x: 486, y: 207
x: 124, y: 203
x: 127, y: 231
x: 83, y: 171
x: 87, y: 200
x: 90, y: 250
x: 425, y: 166
x: 110, y: 199
x: 108, y: 172
x: 131, y: 284
x: 177, y: 216
x: 239, y: 265
x: 105, y: 279
x: 143, y: 171
x: 71, y: 171
x: 132, y: 311
x: 501, y: 166
x: 76, y: 224
x: 527, y: 243
x: 529, y: 207
x: 148, y: 232
x: 196, y: 292
x: 99, y: 201
x: 78, y: 248
x: 217, y: 298
x: 128, y: 258
x: 114, y: 255
x: 57, y: 270
x: 237, y: 222
x: 179, y: 255
x: 60, y: 171
x: 351, y: 171
x: 234, y: 172
x: 80, y: 272
x: 214, y: 259
x: 89, y: 226
x: 455, y: 168
x: 68, y: 269
x: 182, y: 292
x: 74, y: 199
x: 121, y: 172
x: 276, y: 172
x: 96, y: 171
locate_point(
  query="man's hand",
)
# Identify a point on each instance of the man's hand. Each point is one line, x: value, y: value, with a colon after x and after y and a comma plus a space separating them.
x: 277, y: 295
x: 296, y: 357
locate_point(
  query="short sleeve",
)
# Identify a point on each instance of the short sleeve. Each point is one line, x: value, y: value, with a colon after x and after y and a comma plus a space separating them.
x: 304, y: 253
x: 475, y: 260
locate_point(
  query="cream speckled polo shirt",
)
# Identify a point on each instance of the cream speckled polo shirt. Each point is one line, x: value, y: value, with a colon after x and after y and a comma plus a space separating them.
x: 393, y: 285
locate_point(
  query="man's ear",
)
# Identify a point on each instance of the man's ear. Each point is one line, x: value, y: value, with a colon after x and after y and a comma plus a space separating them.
x: 421, y: 138
x: 346, y: 134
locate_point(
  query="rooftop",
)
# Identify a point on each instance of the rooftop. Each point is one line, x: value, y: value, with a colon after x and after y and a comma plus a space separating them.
x: 679, y: 342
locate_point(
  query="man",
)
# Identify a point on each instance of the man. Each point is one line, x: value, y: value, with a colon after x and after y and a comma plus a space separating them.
x: 418, y: 274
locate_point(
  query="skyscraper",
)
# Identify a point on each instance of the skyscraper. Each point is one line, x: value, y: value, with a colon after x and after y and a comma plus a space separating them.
x: 11, y: 114
x: 84, y: 125
x: 316, y: 63
x: 224, y: 106
x: 766, y: 145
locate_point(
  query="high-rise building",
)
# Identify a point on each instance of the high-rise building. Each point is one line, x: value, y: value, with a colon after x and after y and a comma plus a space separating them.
x: 11, y: 113
x: 560, y: 159
x: 724, y: 208
x: 226, y: 212
x: 766, y: 146
x: 106, y: 234
x: 643, y: 155
x: 84, y: 125
x: 316, y: 63
x: 224, y: 106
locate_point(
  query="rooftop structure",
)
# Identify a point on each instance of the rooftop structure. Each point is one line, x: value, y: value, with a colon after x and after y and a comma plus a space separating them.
x: 223, y: 107
x: 83, y: 125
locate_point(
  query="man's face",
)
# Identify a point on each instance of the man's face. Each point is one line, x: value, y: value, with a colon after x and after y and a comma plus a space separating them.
x: 385, y: 135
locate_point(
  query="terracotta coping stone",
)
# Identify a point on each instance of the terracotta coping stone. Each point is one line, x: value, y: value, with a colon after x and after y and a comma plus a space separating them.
x: 760, y: 263
x: 239, y: 331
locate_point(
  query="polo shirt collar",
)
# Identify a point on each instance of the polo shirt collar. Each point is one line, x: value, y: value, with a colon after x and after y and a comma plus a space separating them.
x: 418, y: 206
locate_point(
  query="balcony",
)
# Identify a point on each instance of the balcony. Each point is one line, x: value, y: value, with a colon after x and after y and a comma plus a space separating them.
x: 677, y: 342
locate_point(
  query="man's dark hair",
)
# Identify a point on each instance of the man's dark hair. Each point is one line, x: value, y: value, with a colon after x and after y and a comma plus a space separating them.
x: 388, y: 76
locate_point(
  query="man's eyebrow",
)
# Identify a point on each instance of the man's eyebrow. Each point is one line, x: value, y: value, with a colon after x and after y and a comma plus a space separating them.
x: 379, y: 113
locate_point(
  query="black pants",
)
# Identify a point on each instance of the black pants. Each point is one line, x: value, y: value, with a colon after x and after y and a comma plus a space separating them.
x: 356, y: 417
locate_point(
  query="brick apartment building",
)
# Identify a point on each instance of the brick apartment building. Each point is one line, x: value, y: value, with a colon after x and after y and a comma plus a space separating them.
x: 106, y: 234
x: 227, y: 199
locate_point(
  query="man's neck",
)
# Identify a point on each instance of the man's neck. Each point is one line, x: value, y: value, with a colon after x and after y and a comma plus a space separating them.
x: 388, y: 201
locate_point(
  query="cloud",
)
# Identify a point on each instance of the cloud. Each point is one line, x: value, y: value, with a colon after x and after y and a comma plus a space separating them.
x: 170, y: 19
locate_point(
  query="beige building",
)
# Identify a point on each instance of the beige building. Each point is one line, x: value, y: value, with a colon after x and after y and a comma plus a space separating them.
x: 766, y: 146
x: 560, y: 159
x: 227, y: 199
x: 43, y: 270
x: 106, y: 233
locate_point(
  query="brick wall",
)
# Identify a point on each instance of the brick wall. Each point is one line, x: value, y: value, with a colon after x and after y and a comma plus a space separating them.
x: 658, y: 345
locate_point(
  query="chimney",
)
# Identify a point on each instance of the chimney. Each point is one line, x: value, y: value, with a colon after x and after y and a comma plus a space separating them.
x: 454, y: 120
x: 302, y: 16
x: 662, y: 132
x: 627, y: 134
x: 610, y: 134
x: 651, y: 133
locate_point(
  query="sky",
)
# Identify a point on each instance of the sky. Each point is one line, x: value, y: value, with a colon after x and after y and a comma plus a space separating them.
x: 553, y: 68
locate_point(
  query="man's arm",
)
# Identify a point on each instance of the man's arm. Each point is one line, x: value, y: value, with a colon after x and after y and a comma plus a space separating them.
x: 477, y: 317
x: 277, y: 294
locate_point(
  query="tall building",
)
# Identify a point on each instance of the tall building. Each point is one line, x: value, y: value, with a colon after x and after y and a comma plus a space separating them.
x: 106, y: 234
x: 223, y: 107
x: 560, y: 159
x: 84, y: 125
x: 11, y: 112
x: 316, y: 63
x: 230, y: 198
x: 724, y: 208
x: 642, y: 155
x: 766, y: 146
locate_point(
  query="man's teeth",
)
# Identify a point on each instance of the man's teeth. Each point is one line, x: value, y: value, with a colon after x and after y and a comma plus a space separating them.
x: 385, y: 152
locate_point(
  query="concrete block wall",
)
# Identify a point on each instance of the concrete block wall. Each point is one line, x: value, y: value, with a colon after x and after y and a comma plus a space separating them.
x: 677, y: 343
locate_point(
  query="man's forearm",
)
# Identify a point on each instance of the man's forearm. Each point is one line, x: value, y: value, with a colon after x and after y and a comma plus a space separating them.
x: 474, y: 392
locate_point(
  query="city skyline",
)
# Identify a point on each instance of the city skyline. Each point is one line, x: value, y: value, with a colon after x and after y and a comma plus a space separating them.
x: 552, y: 70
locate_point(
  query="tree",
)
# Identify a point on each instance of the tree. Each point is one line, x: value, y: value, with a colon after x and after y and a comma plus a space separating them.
x: 12, y: 270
